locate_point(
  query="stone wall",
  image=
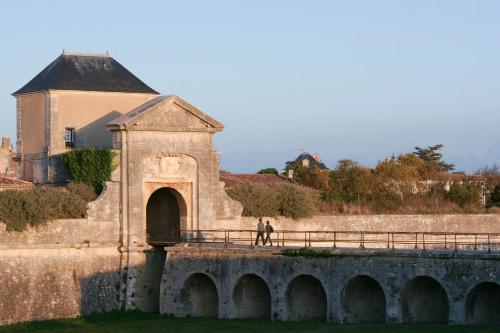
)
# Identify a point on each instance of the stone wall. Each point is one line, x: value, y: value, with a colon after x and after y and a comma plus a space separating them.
x: 54, y: 283
x: 466, y: 223
x: 64, y: 268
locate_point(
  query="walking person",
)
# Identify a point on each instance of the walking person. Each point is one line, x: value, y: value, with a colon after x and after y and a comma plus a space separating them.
x: 260, y: 232
x: 269, y: 231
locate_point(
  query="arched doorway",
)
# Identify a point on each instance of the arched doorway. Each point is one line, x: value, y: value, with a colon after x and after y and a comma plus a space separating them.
x: 251, y: 298
x: 306, y: 299
x: 424, y: 300
x: 199, y: 296
x: 164, y: 211
x: 363, y: 301
x: 482, y: 306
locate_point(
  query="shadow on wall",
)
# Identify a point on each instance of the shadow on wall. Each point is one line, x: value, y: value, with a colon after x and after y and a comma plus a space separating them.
x: 96, y: 134
x: 99, y: 293
x: 103, y: 291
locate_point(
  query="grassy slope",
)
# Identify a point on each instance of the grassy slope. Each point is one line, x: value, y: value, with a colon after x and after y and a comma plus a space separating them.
x: 151, y: 323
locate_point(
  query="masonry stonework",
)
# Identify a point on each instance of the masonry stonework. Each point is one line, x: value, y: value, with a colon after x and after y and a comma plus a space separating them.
x: 395, y: 288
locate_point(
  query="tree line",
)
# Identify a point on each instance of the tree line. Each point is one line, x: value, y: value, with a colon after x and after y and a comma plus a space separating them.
x: 419, y: 182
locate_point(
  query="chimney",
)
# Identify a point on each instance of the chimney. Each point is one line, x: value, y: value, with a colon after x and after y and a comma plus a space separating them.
x: 317, y: 157
x: 6, y: 142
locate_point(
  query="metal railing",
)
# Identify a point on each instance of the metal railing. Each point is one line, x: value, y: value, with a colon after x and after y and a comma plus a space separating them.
x: 351, y: 239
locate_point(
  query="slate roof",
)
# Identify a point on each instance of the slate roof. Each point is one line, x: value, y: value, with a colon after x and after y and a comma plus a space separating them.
x: 98, y: 72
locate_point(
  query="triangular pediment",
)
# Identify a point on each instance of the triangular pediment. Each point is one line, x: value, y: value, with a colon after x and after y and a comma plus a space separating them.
x: 166, y: 113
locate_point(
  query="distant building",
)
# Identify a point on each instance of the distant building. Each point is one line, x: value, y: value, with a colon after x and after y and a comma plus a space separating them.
x: 305, y: 160
x: 7, y: 163
x: 67, y: 106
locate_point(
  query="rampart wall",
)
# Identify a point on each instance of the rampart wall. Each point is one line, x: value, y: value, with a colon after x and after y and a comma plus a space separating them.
x: 74, y: 267
x: 452, y: 223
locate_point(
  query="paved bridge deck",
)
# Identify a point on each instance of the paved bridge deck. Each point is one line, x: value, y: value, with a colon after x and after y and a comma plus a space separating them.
x: 232, y: 248
x: 423, y: 241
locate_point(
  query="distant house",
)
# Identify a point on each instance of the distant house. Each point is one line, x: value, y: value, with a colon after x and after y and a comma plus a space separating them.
x: 450, y: 178
x: 11, y: 183
x: 7, y: 163
x: 305, y: 160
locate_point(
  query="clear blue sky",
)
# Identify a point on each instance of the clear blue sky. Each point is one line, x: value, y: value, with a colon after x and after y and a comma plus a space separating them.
x: 346, y: 79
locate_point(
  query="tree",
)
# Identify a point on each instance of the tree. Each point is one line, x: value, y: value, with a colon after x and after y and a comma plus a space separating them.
x: 399, y: 175
x: 268, y: 171
x: 312, y: 177
x: 495, y: 196
x: 433, y: 160
x: 491, y: 175
x: 350, y: 182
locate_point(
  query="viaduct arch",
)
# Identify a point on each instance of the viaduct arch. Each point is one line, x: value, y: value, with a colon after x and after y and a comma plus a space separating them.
x: 482, y: 306
x: 251, y: 298
x: 199, y: 296
x: 363, y: 301
x: 424, y: 300
x: 306, y: 299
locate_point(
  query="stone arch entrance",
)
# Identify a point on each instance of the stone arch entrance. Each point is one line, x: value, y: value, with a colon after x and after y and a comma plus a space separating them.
x: 251, y: 298
x: 199, y: 296
x: 165, y: 213
x: 424, y: 300
x: 306, y: 299
x: 482, y: 306
x: 363, y: 301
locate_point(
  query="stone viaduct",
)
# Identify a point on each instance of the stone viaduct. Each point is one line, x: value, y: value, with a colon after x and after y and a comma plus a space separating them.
x: 349, y: 287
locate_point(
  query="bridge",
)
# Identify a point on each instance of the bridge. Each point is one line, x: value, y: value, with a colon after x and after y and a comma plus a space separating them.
x: 425, y: 241
x: 367, y: 277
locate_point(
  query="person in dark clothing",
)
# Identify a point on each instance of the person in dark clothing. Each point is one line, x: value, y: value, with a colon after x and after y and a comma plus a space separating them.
x: 260, y: 232
x: 269, y: 231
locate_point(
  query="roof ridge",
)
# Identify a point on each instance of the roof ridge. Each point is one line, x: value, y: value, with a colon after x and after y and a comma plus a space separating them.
x: 84, y: 54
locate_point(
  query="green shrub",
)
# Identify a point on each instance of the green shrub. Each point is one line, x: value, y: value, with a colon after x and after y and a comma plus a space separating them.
x: 272, y: 200
x: 465, y: 194
x: 82, y: 190
x: 91, y: 166
x: 268, y: 171
x: 296, y: 201
x: 22, y: 208
x: 307, y: 252
x: 257, y: 200
x: 495, y: 196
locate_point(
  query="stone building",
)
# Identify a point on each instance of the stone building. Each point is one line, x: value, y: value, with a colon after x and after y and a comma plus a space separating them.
x: 167, y: 183
x: 67, y: 106
x: 7, y: 163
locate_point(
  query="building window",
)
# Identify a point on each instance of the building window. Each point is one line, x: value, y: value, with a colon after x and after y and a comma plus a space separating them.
x: 69, y: 137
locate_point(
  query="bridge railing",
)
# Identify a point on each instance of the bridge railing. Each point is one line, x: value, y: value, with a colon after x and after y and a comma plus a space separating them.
x: 351, y: 239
